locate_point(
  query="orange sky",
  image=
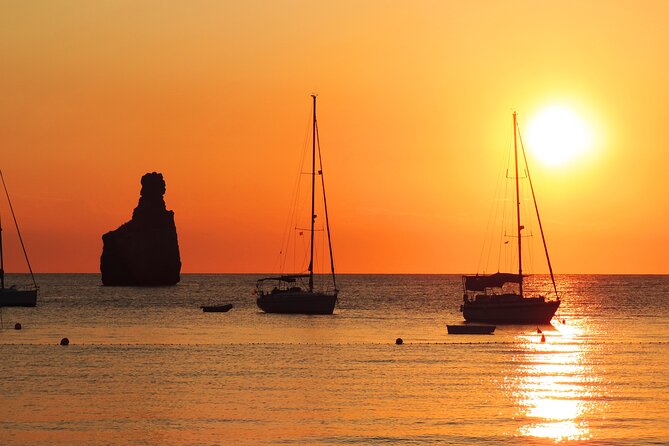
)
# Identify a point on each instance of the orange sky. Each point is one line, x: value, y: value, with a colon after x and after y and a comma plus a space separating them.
x: 415, y: 102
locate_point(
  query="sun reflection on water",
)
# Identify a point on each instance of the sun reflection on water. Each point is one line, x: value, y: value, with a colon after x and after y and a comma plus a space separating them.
x: 553, y: 388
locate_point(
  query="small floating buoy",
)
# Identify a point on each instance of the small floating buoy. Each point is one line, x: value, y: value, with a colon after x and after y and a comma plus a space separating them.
x: 538, y: 330
x: 64, y: 341
x: 543, y: 338
x: 563, y: 322
x: 17, y: 326
x: 399, y: 341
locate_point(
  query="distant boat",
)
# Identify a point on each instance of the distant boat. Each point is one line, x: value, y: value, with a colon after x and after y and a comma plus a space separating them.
x: 11, y: 296
x: 470, y: 329
x: 295, y: 294
x: 488, y: 298
x: 217, y: 308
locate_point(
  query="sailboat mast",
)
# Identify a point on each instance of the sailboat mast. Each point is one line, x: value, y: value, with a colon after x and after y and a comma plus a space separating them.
x: 313, y: 188
x: 325, y: 206
x: 536, y: 208
x: 519, y: 226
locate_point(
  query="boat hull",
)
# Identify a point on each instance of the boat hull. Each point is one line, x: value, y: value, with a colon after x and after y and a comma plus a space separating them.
x: 470, y: 329
x: 523, y: 311
x: 10, y: 297
x: 303, y: 302
x: 217, y: 308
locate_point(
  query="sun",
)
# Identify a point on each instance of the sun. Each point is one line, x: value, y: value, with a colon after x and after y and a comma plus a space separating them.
x: 557, y: 135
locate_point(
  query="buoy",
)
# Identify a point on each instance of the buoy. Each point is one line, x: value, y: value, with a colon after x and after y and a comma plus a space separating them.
x: 17, y: 326
x: 399, y: 341
x: 538, y: 330
x: 543, y: 338
x: 64, y: 341
x: 563, y: 322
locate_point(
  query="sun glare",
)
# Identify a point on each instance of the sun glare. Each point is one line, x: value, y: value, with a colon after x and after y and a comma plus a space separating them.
x: 557, y: 135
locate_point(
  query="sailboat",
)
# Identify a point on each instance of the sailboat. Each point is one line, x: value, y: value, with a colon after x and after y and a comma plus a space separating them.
x: 11, y: 296
x: 500, y: 298
x: 296, y: 293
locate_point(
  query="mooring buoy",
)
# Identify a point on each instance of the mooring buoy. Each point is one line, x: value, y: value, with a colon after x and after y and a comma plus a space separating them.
x: 64, y: 341
x: 17, y: 326
x: 543, y: 338
x: 399, y: 341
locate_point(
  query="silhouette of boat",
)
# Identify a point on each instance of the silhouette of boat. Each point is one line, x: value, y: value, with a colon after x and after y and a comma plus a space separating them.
x: 288, y: 298
x: 11, y: 296
x: 470, y: 329
x: 493, y: 298
x: 216, y: 308
x: 295, y: 294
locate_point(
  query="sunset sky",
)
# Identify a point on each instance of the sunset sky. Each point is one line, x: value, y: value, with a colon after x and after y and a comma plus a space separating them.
x: 415, y: 102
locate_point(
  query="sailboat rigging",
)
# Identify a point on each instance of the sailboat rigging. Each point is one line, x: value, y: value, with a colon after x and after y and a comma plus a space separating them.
x: 11, y: 296
x: 487, y: 298
x: 283, y: 294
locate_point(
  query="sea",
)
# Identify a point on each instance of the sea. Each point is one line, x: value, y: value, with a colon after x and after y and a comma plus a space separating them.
x: 145, y: 366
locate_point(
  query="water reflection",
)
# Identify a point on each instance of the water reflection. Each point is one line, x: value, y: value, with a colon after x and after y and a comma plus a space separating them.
x: 553, y: 385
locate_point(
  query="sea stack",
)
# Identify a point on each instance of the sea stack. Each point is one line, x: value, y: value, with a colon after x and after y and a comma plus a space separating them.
x: 145, y: 250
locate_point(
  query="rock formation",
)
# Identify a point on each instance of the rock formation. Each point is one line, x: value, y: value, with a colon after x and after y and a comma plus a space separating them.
x: 145, y: 250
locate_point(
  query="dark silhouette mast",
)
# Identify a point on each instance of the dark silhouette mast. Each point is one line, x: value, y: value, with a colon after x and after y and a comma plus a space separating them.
x: 536, y: 208
x: 520, y: 227
x: 325, y: 205
x: 313, y: 187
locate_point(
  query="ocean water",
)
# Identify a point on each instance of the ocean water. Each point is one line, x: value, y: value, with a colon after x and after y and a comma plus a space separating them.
x: 147, y: 366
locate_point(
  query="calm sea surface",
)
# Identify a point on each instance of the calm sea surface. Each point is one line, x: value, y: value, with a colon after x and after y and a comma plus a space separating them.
x: 146, y: 366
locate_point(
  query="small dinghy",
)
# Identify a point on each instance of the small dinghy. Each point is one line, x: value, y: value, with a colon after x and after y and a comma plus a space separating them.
x: 216, y: 308
x: 470, y: 329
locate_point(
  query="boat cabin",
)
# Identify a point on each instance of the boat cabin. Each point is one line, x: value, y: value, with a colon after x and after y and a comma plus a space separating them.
x: 280, y: 284
x: 498, y: 287
x: 495, y: 288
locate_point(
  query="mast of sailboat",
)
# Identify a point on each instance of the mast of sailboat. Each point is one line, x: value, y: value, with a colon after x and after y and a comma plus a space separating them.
x: 536, y: 208
x: 313, y: 187
x: 519, y: 226
x: 325, y: 205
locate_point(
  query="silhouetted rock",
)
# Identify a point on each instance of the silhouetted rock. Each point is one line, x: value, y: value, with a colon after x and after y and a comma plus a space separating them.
x: 145, y: 250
